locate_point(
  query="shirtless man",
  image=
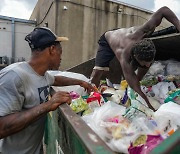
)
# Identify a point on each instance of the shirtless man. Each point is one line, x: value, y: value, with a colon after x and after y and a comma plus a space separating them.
x: 131, y: 49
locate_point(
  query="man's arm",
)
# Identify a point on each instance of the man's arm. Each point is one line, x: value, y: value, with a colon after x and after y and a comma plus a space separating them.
x: 131, y: 77
x: 66, y: 81
x: 156, y: 19
x: 15, y: 122
x: 141, y: 72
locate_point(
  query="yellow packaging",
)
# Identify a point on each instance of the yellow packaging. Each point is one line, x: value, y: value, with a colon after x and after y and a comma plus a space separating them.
x: 124, y: 84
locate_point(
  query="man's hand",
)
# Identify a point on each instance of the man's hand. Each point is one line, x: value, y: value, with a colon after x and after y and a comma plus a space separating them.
x: 151, y: 107
x: 59, y: 98
x: 146, y: 100
x: 149, y: 104
x: 87, y: 86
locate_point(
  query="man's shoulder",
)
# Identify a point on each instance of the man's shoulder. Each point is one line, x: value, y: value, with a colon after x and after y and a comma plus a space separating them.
x: 14, y: 66
x: 125, y: 30
x: 121, y: 34
x: 16, y: 69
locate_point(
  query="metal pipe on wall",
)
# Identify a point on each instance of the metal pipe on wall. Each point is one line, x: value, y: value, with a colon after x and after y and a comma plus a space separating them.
x: 13, y: 40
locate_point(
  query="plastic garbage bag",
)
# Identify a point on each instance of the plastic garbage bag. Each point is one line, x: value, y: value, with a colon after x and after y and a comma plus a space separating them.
x: 77, y: 103
x: 139, y: 126
x: 154, y: 102
x: 116, y: 95
x: 158, y: 92
x: 138, y: 106
x: 70, y: 75
x: 97, y: 120
x: 173, y: 67
x: 157, y: 68
x: 167, y: 118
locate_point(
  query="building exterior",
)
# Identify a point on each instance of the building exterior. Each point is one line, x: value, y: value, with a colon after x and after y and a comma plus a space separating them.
x: 13, y: 47
x: 84, y: 21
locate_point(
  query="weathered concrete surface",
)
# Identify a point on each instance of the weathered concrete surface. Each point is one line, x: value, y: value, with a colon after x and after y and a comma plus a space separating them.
x: 84, y: 21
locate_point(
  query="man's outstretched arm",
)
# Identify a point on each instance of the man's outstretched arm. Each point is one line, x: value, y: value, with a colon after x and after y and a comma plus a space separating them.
x: 157, y: 17
x: 66, y: 81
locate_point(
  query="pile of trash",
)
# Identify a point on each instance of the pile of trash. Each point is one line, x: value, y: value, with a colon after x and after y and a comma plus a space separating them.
x: 136, y: 133
x: 122, y: 118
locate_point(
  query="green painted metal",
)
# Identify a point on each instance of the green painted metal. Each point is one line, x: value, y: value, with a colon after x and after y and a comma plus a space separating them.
x: 52, y: 136
x: 169, y: 146
x: 76, y: 136
x: 67, y: 133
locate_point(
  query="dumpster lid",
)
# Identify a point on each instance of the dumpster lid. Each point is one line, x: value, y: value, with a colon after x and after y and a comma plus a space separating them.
x: 167, y: 46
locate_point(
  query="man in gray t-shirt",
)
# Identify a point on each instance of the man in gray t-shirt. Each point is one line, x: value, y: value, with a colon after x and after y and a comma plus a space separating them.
x: 24, y: 93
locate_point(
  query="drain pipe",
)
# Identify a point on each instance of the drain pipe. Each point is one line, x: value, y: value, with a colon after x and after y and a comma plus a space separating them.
x: 13, y: 40
x: 56, y: 16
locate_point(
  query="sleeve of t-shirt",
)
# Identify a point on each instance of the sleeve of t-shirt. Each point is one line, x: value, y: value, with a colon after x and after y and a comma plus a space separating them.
x: 11, y: 93
x: 50, y: 79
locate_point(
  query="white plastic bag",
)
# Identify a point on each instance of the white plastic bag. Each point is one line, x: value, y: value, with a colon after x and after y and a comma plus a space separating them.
x: 117, y: 95
x: 156, y: 69
x: 173, y: 67
x: 158, y: 92
x: 167, y: 117
x: 97, y: 119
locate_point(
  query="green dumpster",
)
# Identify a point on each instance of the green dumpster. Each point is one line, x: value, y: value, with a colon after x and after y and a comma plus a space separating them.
x: 67, y: 133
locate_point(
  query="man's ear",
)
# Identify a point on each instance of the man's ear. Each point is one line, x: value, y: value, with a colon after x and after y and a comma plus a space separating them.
x: 52, y: 50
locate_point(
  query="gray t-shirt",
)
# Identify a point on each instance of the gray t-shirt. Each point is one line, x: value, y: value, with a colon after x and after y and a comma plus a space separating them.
x: 21, y: 88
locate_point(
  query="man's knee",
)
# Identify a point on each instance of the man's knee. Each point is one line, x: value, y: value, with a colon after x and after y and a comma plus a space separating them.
x: 96, y: 76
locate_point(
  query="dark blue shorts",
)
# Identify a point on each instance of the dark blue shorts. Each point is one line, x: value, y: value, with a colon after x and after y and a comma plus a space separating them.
x: 104, y: 54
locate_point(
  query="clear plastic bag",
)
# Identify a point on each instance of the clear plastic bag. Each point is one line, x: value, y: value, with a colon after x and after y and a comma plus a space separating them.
x: 98, y: 119
x: 139, y: 126
x: 167, y: 118
x: 173, y: 67
x: 157, y: 68
x: 138, y: 106
x: 78, y: 105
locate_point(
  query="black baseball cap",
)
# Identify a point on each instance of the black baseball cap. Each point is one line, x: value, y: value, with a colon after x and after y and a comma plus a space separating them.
x: 41, y: 37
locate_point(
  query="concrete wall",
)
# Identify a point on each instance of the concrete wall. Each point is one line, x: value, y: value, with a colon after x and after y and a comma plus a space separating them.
x: 5, y: 38
x: 45, y: 12
x: 20, y: 49
x: 83, y: 22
